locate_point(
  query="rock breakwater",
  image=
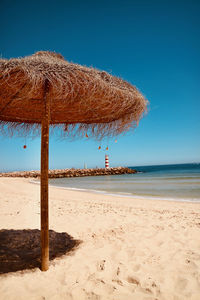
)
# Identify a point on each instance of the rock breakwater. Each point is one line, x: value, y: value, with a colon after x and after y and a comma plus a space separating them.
x: 72, y: 172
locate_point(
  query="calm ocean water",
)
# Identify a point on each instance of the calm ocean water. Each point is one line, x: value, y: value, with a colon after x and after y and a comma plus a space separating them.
x: 168, y: 182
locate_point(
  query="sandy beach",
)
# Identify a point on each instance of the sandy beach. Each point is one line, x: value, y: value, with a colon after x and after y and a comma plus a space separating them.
x: 110, y: 247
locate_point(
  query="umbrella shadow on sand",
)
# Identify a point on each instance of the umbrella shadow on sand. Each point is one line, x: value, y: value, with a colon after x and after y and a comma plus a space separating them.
x: 20, y: 249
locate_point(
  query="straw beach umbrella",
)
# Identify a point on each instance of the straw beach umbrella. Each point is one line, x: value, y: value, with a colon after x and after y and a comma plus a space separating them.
x: 44, y: 90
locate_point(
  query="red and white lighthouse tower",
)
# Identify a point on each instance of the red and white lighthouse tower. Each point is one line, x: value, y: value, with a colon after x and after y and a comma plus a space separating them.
x: 106, y: 161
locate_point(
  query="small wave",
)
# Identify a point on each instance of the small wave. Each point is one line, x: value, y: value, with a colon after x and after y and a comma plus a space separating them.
x: 129, y: 195
x: 123, y: 194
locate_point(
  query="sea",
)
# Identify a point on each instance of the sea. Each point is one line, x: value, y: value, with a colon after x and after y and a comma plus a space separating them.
x: 177, y: 182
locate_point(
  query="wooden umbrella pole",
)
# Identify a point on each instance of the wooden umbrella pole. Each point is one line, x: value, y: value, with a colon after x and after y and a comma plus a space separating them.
x: 44, y: 181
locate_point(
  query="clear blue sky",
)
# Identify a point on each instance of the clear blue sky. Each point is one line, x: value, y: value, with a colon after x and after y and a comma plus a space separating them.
x: 154, y: 45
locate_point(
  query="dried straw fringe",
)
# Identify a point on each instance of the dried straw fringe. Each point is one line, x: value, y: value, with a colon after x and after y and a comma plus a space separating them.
x: 82, y: 99
x: 62, y: 131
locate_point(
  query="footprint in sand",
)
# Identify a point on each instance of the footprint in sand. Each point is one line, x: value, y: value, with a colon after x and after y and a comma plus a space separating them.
x: 181, y: 283
x: 133, y: 280
x: 118, y: 271
x: 160, y: 243
x: 101, y: 265
x: 191, y: 264
x: 136, y: 268
x: 119, y: 282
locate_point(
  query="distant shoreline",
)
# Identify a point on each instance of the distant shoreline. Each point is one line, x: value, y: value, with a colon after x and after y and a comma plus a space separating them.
x: 62, y: 173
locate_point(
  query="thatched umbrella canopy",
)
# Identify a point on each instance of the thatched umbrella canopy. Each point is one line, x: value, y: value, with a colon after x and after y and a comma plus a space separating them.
x: 44, y: 89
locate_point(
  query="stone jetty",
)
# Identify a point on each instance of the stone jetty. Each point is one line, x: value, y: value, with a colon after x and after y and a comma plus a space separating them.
x: 72, y: 172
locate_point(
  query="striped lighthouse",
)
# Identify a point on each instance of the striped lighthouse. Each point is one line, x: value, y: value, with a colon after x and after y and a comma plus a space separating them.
x: 106, y: 161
